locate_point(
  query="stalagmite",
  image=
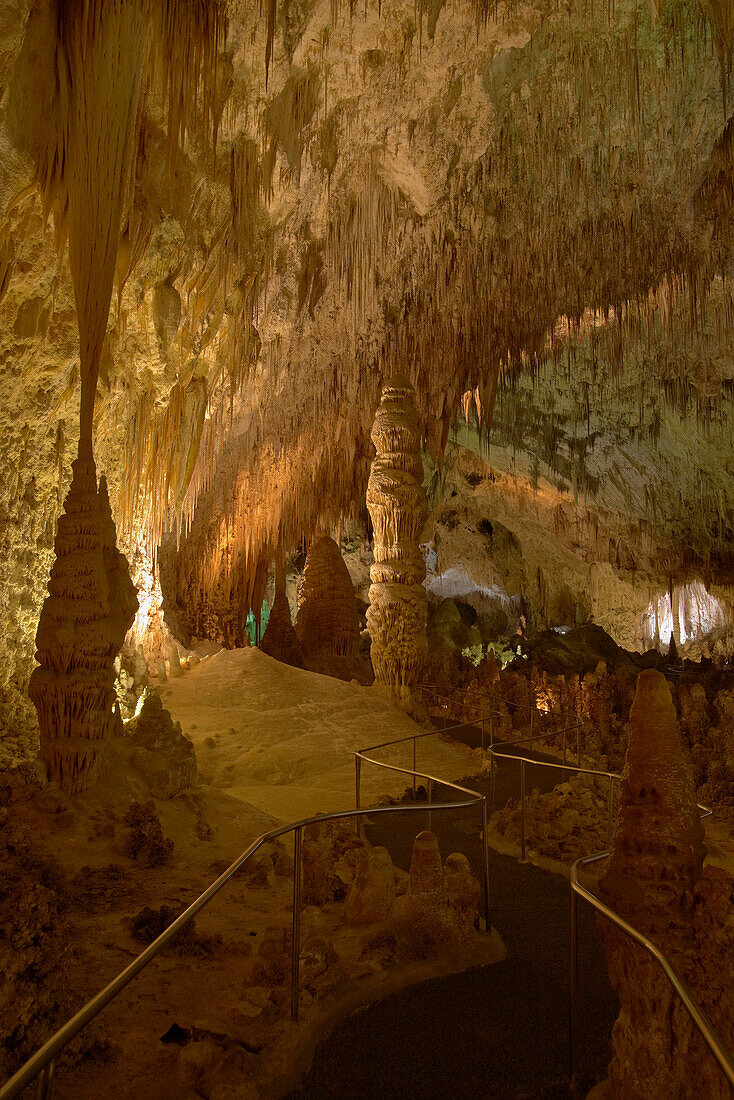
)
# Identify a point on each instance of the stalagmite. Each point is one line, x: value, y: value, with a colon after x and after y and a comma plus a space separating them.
x: 657, y: 858
x: 90, y: 607
x: 327, y: 623
x: 397, y: 505
x: 280, y: 639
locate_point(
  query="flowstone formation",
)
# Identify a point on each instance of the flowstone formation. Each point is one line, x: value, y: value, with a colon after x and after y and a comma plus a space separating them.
x: 90, y: 607
x: 280, y: 639
x: 327, y: 623
x: 656, y: 861
x: 396, y: 501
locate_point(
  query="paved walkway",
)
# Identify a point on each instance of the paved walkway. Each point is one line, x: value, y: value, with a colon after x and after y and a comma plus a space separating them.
x: 499, y: 1031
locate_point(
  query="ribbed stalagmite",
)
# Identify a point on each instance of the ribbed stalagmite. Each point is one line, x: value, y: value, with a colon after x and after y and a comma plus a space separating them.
x: 90, y: 607
x: 280, y: 639
x: 327, y: 623
x: 657, y: 858
x: 397, y: 505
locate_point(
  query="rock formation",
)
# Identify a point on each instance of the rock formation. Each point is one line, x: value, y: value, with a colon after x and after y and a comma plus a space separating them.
x: 657, y: 858
x: 280, y: 639
x: 397, y: 505
x: 327, y: 623
x: 89, y: 609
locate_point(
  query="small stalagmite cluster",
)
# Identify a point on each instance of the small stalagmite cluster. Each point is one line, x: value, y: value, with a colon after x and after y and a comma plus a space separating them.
x: 90, y: 607
x: 656, y: 861
x: 397, y: 505
x: 327, y: 623
x: 280, y: 639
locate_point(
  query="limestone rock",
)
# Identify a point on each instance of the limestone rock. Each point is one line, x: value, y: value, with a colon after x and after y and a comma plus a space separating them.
x: 463, y: 892
x: 330, y: 856
x: 169, y: 766
x: 372, y: 896
x: 280, y: 639
x: 327, y: 623
x: 89, y: 609
x: 396, y: 500
x: 656, y: 861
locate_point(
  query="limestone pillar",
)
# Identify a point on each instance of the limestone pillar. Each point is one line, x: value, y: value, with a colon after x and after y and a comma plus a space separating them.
x: 397, y: 505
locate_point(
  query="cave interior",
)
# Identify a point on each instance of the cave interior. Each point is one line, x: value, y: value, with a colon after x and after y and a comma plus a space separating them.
x: 366, y: 549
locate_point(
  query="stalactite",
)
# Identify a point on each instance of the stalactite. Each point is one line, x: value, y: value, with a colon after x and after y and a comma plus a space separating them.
x: 396, y: 501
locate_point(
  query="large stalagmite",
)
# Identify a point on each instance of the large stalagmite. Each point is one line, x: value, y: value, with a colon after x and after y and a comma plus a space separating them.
x: 327, y: 623
x: 657, y: 858
x: 90, y: 607
x: 397, y: 505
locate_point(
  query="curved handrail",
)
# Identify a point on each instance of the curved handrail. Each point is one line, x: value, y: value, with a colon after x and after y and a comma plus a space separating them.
x: 714, y: 1041
x: 41, y: 1063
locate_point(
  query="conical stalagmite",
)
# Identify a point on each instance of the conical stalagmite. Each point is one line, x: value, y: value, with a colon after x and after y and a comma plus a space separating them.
x: 327, y: 623
x: 397, y: 505
x: 90, y: 607
x: 657, y: 858
x: 280, y: 639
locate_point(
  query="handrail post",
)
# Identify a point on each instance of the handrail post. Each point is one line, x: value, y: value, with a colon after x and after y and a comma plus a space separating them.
x: 491, y: 732
x: 358, y: 778
x: 610, y: 811
x: 430, y: 799
x: 563, y: 774
x: 532, y: 712
x: 485, y: 837
x: 414, y: 767
x: 296, y: 944
x: 492, y: 766
x: 522, y: 810
x: 481, y: 726
x: 45, y: 1085
x: 578, y: 741
x: 573, y: 1022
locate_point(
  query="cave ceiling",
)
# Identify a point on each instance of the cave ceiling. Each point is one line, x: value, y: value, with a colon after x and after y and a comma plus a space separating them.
x: 530, y: 203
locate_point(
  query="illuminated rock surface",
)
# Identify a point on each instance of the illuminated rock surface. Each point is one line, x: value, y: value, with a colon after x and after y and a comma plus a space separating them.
x: 326, y: 621
x: 396, y: 501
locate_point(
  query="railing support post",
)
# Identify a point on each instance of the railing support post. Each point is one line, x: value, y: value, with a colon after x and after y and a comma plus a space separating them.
x: 573, y: 1022
x: 45, y: 1085
x: 522, y: 810
x: 610, y: 812
x: 563, y: 774
x: 485, y: 838
x: 296, y: 945
x: 414, y: 768
x: 430, y: 799
x: 492, y: 766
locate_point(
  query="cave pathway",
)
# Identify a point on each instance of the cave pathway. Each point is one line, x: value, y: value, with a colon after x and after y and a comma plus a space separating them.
x: 497, y: 1031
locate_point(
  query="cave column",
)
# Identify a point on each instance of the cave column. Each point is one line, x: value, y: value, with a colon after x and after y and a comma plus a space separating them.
x: 396, y: 502
x: 91, y: 602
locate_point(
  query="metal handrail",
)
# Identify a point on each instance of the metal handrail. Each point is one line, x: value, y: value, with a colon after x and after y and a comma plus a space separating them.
x: 716, y: 1045
x: 41, y: 1064
x: 723, y: 1056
